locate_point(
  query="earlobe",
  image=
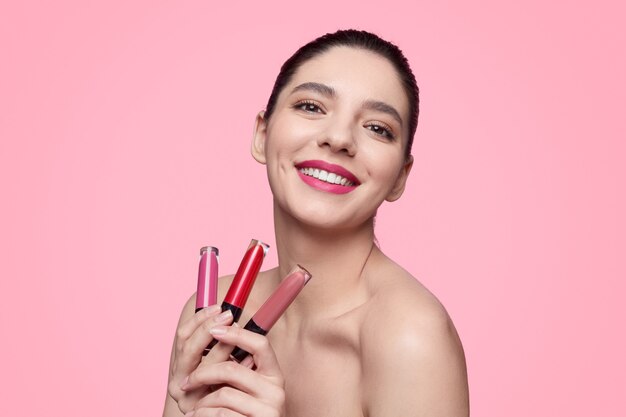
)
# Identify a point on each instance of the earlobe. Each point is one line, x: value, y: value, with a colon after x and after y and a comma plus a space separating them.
x: 258, y: 138
x: 399, y: 186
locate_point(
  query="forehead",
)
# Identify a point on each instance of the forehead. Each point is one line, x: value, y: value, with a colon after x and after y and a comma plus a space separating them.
x: 354, y: 73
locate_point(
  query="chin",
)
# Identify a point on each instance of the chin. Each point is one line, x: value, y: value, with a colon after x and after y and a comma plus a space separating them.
x: 327, y: 220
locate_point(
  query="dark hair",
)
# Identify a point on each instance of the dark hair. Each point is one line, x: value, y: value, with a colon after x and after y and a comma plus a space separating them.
x: 356, y: 39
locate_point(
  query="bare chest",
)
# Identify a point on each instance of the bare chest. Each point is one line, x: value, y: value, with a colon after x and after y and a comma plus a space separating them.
x: 325, y: 384
x: 322, y: 375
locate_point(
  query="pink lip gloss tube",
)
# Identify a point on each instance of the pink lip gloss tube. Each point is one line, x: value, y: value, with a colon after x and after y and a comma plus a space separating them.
x: 275, y: 306
x: 207, y: 277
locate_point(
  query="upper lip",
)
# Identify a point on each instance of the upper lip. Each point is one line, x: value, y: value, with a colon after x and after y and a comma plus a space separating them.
x: 328, y: 167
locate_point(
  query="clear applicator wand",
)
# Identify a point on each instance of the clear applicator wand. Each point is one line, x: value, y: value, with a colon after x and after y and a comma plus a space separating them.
x: 275, y: 306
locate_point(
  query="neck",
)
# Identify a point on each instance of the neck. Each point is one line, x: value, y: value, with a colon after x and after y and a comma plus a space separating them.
x: 335, y: 258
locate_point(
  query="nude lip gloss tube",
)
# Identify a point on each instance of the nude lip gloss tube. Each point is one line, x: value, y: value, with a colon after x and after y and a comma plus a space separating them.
x: 243, y: 281
x: 275, y: 306
x: 207, y: 277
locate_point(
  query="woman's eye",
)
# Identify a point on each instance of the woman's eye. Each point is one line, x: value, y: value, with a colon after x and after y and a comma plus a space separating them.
x: 381, y: 131
x: 308, y: 107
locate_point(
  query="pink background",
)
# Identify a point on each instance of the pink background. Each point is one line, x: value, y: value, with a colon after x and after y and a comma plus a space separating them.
x: 125, y: 131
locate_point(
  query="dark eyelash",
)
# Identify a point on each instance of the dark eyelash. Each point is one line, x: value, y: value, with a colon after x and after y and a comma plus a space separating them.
x: 299, y: 104
x: 388, y: 133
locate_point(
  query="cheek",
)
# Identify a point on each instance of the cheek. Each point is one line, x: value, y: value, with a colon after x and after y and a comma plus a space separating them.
x: 288, y: 135
x: 384, y: 165
x: 282, y: 143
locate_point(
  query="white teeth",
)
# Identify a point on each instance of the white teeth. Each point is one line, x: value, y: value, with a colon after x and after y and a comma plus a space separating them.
x: 326, y: 176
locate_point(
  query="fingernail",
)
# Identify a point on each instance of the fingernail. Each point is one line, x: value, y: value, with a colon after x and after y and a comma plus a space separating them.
x: 248, y: 362
x: 225, y: 316
x: 183, y: 384
x: 212, y: 309
x: 216, y: 331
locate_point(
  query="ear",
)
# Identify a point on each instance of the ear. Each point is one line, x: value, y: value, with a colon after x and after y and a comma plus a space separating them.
x: 398, y: 187
x: 258, y: 138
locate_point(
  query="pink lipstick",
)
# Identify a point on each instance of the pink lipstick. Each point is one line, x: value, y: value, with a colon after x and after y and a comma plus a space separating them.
x: 240, y: 288
x: 327, y: 177
x: 206, y: 294
x: 275, y: 306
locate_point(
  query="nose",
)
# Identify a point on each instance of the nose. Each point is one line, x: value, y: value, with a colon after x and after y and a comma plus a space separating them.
x: 339, y: 137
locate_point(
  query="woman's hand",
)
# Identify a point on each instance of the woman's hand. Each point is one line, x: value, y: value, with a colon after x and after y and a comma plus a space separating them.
x: 243, y: 391
x: 192, y: 337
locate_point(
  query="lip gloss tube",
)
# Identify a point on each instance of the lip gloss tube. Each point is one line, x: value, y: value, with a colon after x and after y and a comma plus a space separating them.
x: 275, y: 306
x: 206, y: 294
x: 239, y: 290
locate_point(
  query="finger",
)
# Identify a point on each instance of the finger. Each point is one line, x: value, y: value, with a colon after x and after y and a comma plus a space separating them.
x: 218, y: 353
x: 186, y: 329
x: 248, y: 362
x: 235, y: 400
x: 233, y: 374
x: 190, y: 354
x: 201, y: 336
x: 188, y: 400
x: 214, y: 412
x: 256, y: 345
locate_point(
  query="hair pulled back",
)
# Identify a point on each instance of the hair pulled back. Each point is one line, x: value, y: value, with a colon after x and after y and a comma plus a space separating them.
x: 356, y: 39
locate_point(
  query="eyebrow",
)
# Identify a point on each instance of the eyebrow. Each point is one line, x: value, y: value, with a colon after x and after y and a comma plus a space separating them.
x: 322, y: 89
x: 383, y: 108
x: 328, y: 91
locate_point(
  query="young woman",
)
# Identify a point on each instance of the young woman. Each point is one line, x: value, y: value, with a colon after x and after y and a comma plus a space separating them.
x: 364, y: 338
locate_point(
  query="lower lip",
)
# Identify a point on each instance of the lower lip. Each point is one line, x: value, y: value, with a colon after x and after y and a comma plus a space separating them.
x: 325, y: 186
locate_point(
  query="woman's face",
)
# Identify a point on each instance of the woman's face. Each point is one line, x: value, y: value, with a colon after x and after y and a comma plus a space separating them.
x: 345, y: 114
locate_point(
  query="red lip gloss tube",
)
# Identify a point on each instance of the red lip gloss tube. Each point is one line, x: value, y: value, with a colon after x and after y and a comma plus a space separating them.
x: 243, y: 281
x: 241, y: 286
x: 275, y: 306
x: 207, y: 277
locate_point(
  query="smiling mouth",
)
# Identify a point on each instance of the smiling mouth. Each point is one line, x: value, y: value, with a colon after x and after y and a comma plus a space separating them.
x: 329, y: 177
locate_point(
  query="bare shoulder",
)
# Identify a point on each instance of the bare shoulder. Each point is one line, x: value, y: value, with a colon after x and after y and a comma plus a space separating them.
x: 401, y: 298
x: 410, y: 319
x: 411, y: 353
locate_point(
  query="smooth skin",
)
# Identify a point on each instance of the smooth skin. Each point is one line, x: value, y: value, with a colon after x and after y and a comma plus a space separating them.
x: 364, y: 338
